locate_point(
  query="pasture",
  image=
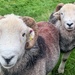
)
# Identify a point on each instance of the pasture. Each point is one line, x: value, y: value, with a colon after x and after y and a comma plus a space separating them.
x: 40, y: 10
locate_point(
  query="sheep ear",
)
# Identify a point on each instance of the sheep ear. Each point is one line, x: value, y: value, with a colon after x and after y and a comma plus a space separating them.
x: 57, y: 15
x: 33, y: 31
x: 59, y: 6
x: 30, y: 38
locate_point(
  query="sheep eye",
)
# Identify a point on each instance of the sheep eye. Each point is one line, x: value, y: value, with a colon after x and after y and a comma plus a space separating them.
x: 23, y: 34
x: 61, y: 13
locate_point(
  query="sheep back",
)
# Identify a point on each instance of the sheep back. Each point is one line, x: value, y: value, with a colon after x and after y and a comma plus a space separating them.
x: 51, y: 36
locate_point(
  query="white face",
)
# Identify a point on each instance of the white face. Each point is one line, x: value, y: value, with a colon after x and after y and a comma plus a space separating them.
x: 13, y: 37
x: 67, y: 16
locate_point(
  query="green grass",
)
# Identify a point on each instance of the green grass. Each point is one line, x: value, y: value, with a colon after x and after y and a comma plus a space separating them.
x: 40, y: 10
x: 70, y: 66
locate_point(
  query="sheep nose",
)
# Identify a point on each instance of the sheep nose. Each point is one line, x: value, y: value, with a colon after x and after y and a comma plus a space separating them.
x: 8, y: 59
x: 69, y: 24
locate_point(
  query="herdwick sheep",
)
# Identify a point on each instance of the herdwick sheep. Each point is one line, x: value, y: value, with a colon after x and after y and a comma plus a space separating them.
x: 64, y: 20
x: 27, y: 48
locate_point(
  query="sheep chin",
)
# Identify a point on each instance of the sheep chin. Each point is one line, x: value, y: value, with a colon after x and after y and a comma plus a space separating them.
x: 69, y: 29
x: 8, y: 66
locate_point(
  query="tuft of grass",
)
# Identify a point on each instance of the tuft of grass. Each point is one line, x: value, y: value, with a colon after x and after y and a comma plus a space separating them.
x: 40, y: 10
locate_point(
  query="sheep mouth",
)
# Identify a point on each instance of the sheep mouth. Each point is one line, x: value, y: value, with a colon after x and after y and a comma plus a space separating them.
x: 70, y: 29
x: 8, y: 66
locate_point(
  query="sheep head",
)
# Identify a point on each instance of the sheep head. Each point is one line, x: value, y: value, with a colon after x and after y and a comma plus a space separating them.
x: 17, y: 34
x: 65, y: 13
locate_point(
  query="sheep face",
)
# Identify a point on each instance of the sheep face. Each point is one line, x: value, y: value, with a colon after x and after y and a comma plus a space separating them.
x: 14, y: 34
x: 67, y: 16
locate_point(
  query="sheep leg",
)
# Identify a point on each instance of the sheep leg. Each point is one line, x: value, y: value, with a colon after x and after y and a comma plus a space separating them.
x: 63, y: 62
x: 39, y: 68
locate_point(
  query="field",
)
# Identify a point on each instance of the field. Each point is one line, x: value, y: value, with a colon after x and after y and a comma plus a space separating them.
x: 40, y: 10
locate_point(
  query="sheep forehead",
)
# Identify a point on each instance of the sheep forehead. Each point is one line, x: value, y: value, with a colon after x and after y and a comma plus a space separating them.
x: 68, y: 8
x: 12, y: 22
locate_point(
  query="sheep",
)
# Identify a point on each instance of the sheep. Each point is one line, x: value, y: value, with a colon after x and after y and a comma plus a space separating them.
x: 64, y: 20
x: 27, y: 47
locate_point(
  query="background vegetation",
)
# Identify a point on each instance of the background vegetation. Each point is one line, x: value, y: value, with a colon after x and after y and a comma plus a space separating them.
x: 40, y: 10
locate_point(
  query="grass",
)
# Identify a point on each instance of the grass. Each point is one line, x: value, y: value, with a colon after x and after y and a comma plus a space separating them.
x: 70, y: 66
x: 40, y: 10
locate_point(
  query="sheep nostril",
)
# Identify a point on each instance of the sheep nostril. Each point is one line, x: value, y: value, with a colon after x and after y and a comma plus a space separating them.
x: 8, y: 59
x: 69, y: 24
